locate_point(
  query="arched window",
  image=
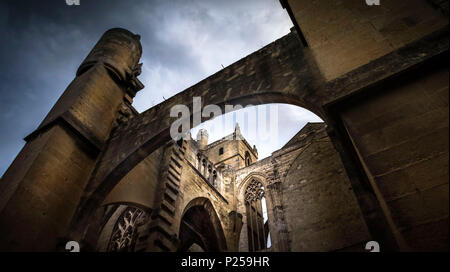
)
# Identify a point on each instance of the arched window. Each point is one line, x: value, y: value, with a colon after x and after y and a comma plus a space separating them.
x: 256, y: 228
x: 204, y: 167
x: 199, y: 162
x: 214, y: 178
x: 220, y: 151
x: 248, y: 160
x: 125, y: 232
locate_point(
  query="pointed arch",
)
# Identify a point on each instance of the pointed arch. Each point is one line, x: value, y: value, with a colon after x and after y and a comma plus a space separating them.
x: 201, y: 225
x: 262, y: 177
x: 255, y: 227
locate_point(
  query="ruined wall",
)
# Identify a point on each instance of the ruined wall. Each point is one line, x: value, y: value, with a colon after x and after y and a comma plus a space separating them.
x: 165, y: 183
x: 311, y: 206
x: 394, y: 111
x: 401, y: 135
x: 344, y: 35
x: 395, y: 131
x: 321, y: 210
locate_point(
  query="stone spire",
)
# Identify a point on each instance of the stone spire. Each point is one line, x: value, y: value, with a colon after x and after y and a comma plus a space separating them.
x: 255, y: 150
x: 237, y: 132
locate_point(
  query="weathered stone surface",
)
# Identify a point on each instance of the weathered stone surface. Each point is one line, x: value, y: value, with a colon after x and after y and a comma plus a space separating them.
x: 40, y: 195
x: 380, y: 171
x: 402, y: 136
x: 344, y: 35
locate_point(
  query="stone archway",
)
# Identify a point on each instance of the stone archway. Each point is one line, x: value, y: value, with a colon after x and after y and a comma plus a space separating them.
x: 281, y: 72
x: 201, y: 226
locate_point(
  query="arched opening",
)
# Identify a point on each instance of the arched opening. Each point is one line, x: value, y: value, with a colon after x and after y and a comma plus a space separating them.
x: 200, y: 228
x: 256, y: 211
x: 245, y: 82
x: 284, y: 109
x: 268, y: 127
x: 125, y: 234
x: 122, y: 226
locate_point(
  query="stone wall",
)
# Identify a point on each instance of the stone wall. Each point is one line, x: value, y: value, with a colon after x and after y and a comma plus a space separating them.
x: 371, y: 73
x: 401, y: 135
x: 344, y: 35
x: 311, y: 206
x: 321, y: 210
x: 41, y: 205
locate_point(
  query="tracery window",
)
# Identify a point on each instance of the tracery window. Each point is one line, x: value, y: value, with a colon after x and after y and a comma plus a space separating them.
x: 256, y: 229
x: 125, y: 234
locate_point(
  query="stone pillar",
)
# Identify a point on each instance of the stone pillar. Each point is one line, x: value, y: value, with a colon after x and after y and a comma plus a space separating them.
x: 41, y: 189
x: 278, y: 228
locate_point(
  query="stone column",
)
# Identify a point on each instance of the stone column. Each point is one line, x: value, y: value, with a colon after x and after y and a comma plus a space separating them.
x: 278, y: 229
x: 41, y: 189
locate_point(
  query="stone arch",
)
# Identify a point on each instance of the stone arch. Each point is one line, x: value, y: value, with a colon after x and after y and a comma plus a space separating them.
x: 281, y: 72
x: 213, y: 239
x: 254, y: 175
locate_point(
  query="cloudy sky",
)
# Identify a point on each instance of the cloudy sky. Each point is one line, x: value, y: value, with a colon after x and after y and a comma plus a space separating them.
x: 184, y: 41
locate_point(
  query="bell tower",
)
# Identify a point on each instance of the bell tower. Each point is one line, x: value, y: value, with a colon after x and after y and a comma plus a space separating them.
x: 232, y: 150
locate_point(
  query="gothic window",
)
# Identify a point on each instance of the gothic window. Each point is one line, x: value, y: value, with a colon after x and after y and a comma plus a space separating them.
x: 209, y: 176
x: 255, y: 210
x: 125, y: 232
x: 204, y: 167
x: 199, y: 163
x: 248, y: 160
x: 214, y: 178
x: 220, y: 151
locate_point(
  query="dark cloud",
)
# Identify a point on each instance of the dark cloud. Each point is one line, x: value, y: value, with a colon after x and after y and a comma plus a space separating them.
x: 184, y: 41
